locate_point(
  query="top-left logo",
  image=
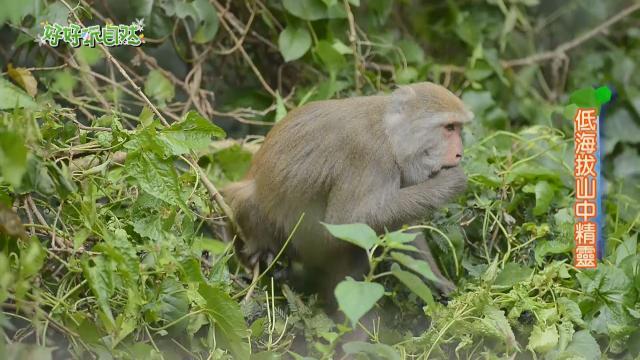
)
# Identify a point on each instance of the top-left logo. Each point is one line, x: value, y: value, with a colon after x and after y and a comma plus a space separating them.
x: 108, y: 35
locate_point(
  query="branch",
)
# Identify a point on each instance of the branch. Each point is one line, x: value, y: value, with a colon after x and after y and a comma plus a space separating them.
x: 221, y: 11
x: 215, y: 194
x: 563, y: 48
x: 121, y: 70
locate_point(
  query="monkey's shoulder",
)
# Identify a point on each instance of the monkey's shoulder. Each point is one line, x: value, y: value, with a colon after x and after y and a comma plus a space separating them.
x: 338, y: 111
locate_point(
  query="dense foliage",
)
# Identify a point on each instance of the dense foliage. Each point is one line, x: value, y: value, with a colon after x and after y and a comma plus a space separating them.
x: 109, y: 236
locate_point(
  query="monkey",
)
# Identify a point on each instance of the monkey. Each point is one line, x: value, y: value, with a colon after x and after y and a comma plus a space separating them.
x: 382, y: 160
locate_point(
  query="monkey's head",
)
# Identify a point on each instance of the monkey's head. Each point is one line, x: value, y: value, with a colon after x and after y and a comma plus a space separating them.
x: 424, y: 123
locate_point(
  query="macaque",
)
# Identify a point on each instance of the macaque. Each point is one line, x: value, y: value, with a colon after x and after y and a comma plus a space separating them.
x: 383, y: 160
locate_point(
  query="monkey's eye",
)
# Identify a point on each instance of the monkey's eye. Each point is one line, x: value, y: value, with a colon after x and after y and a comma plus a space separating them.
x: 450, y: 127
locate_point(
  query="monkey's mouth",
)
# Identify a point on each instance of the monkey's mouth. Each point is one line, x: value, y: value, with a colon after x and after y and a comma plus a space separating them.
x: 443, y: 167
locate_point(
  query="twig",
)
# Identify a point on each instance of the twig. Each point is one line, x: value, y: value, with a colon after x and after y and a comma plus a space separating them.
x: 215, y: 194
x: 42, y: 68
x: 565, y: 47
x: 51, y: 231
x: 240, y: 41
x: 354, y: 47
x: 55, y: 223
x: 246, y: 56
x: 27, y: 209
x: 121, y: 70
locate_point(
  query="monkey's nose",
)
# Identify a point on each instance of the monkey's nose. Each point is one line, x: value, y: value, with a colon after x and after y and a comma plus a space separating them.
x: 459, y: 156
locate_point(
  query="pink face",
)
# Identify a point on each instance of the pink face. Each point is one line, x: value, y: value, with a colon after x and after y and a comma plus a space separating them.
x: 453, y: 140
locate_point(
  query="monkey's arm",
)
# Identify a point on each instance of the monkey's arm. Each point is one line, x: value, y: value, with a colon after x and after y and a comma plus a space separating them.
x: 404, y: 205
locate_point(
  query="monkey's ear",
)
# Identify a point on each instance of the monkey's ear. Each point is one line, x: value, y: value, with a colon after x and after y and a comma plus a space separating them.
x: 400, y: 98
x: 470, y: 115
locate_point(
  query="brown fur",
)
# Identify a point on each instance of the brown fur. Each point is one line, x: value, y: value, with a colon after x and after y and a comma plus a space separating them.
x: 375, y: 159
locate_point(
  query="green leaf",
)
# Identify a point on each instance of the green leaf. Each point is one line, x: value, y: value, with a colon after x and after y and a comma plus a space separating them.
x: 509, y: 25
x: 306, y: 9
x: 571, y: 310
x: 399, y: 237
x: 15, y: 10
x: 584, y: 345
x: 63, y: 82
x: 281, y: 110
x: 234, y: 161
x: 544, y: 195
x: 512, y: 274
x: 192, y: 133
x: 496, y: 319
x: 627, y: 248
x: 570, y: 111
x: 12, y: 96
x: 330, y: 57
x: 527, y: 172
x: 609, y: 283
x: 179, y: 8
x: 155, y: 176
x: 585, y: 98
x: 158, y: 87
x: 358, y: 234
x: 172, y: 303
x: 149, y: 224
x: 208, y: 24
x: 565, y: 334
x: 294, y: 42
x: 119, y: 249
x: 412, y: 52
x: 376, y: 351
x: 491, y: 272
x: 419, y: 266
x: 13, y: 157
x: 228, y: 318
x: 192, y: 271
x: 101, y: 284
x: 406, y: 75
x: 543, y: 248
x: 89, y: 55
x: 337, y: 11
x: 542, y: 339
x: 620, y: 127
x: 37, y: 178
x: 625, y: 165
x: 478, y: 101
x: 16, y: 350
x: 340, y: 47
x: 356, y: 298
x: 414, y: 284
x: 31, y: 260
x: 143, y: 351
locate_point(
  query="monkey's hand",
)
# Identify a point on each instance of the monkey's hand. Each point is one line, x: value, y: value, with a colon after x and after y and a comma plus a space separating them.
x: 410, y: 203
x: 451, y: 179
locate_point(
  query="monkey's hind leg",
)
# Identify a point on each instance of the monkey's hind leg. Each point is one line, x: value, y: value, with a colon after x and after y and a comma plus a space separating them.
x: 445, y: 286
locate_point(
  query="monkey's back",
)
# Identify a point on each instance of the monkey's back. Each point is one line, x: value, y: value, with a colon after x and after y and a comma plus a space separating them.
x: 304, y: 155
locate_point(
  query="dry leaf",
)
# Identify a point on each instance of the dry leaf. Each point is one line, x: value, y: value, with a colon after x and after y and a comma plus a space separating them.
x: 10, y: 223
x: 24, y: 78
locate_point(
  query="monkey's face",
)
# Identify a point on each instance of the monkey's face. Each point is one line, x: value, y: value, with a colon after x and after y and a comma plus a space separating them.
x: 429, y: 144
x: 453, y: 149
x: 424, y: 124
